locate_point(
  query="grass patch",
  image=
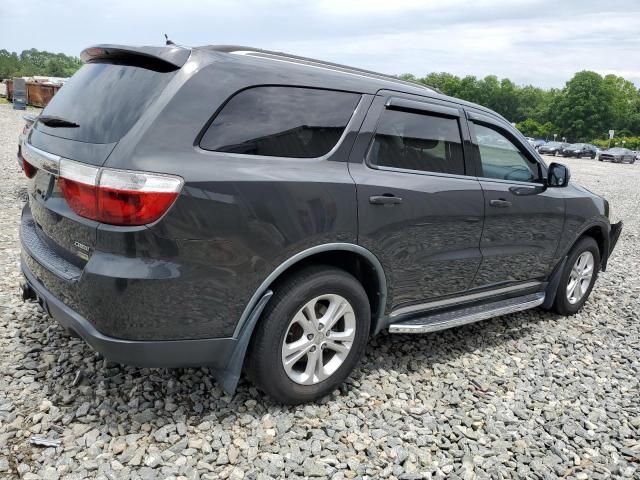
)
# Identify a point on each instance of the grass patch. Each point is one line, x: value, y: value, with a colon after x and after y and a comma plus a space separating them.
x: 3, y: 100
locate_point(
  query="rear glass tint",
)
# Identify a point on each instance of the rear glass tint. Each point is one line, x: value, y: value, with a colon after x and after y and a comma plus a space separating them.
x: 281, y: 122
x: 105, y: 100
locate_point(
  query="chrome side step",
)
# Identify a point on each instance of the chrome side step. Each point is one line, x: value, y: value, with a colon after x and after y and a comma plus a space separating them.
x: 455, y: 318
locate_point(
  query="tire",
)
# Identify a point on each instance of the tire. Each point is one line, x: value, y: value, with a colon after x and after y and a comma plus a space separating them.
x: 562, y: 304
x: 593, y: 156
x: 265, y: 363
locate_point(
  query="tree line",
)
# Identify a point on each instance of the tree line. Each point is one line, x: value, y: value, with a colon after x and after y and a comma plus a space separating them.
x: 37, y: 62
x: 584, y: 110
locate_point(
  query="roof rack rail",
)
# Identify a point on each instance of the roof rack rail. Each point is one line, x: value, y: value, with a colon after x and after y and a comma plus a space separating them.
x: 282, y: 56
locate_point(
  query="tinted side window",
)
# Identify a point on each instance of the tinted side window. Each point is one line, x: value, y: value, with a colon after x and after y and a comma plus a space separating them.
x: 501, y: 159
x: 416, y: 141
x: 281, y: 122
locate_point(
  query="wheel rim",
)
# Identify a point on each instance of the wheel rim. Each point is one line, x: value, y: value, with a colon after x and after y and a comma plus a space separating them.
x: 318, y: 339
x: 580, y: 277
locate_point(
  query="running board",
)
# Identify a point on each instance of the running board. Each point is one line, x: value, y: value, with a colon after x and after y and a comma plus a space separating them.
x: 455, y: 318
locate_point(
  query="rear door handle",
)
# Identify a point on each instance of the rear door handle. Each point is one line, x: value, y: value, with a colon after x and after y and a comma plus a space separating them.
x: 500, y: 203
x: 387, y: 199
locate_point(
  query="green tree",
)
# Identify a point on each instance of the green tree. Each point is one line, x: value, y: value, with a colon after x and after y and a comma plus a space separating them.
x: 9, y: 64
x: 584, y: 109
x: 625, y: 102
x: 36, y: 62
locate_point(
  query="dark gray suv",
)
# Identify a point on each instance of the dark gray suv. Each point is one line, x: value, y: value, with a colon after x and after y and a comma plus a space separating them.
x: 238, y: 208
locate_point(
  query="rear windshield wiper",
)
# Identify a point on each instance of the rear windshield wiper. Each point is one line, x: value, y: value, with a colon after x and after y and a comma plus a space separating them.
x: 54, y: 122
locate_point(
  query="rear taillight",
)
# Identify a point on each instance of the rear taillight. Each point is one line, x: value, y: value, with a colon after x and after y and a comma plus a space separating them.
x: 117, y: 197
x: 28, y: 169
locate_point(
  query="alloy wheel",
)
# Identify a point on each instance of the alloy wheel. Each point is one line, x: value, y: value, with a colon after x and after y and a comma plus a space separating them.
x: 318, y: 339
x: 580, y: 277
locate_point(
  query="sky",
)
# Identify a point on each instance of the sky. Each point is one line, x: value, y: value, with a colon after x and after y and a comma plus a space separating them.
x: 538, y: 42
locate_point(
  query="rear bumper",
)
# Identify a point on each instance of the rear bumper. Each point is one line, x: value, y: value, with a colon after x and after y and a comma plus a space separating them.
x: 214, y: 352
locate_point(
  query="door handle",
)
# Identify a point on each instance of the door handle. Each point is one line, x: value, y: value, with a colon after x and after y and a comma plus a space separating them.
x: 386, y: 199
x: 500, y: 203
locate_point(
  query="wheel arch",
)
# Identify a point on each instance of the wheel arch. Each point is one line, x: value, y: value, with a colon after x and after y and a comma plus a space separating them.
x: 600, y: 233
x: 352, y: 258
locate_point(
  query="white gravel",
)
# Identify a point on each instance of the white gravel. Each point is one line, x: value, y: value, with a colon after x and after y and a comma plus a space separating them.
x: 528, y: 395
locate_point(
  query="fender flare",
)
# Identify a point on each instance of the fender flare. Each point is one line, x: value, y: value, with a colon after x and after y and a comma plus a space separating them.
x: 230, y: 375
x: 605, y: 229
x: 327, y: 247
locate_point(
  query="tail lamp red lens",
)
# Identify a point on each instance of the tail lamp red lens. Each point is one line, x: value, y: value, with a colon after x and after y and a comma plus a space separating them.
x: 117, y: 197
x: 28, y: 169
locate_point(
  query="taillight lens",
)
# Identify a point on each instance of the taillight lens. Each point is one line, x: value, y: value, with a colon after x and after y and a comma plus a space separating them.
x: 78, y: 183
x: 117, y: 197
x: 28, y: 169
x: 132, y: 198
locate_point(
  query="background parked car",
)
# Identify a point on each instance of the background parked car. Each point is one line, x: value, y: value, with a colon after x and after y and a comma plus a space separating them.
x: 537, y: 143
x: 617, y: 155
x: 579, y: 150
x: 552, y: 148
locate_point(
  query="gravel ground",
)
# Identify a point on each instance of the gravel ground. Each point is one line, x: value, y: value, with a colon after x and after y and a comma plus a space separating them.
x: 528, y: 395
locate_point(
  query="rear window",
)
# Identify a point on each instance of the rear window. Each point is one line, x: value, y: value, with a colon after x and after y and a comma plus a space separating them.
x: 420, y: 142
x: 281, y: 122
x: 105, y: 100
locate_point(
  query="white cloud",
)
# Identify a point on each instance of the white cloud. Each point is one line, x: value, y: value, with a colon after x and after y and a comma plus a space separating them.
x: 542, y: 42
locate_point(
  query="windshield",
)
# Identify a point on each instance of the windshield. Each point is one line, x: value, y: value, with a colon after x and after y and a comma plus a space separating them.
x: 102, y: 101
x: 552, y: 144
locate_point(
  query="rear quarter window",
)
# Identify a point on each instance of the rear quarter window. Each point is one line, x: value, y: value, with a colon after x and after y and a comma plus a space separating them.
x: 281, y: 122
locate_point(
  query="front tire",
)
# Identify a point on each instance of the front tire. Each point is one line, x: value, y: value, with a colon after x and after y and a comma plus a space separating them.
x: 310, y: 336
x: 578, y: 277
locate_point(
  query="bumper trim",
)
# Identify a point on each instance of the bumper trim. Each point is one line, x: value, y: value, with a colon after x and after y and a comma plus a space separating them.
x: 213, y: 352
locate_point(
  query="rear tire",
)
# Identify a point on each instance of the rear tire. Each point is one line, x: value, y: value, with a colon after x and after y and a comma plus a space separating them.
x: 575, y: 285
x: 293, y: 356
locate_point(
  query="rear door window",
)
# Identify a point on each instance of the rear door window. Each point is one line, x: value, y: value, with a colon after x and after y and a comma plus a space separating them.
x: 105, y: 100
x: 417, y: 141
x: 281, y: 122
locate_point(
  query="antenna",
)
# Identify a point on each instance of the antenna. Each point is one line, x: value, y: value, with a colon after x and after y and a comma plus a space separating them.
x: 167, y: 41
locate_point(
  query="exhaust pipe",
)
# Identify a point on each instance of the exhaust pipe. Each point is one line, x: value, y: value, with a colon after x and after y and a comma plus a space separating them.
x: 28, y: 293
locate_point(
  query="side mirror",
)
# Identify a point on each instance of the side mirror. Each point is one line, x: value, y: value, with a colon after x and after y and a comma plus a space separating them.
x: 558, y: 175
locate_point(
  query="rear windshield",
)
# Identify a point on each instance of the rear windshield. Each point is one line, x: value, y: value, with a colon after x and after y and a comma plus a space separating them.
x: 104, y: 100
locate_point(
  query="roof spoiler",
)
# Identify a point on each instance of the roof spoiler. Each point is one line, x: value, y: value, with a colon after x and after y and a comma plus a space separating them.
x: 163, y: 59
